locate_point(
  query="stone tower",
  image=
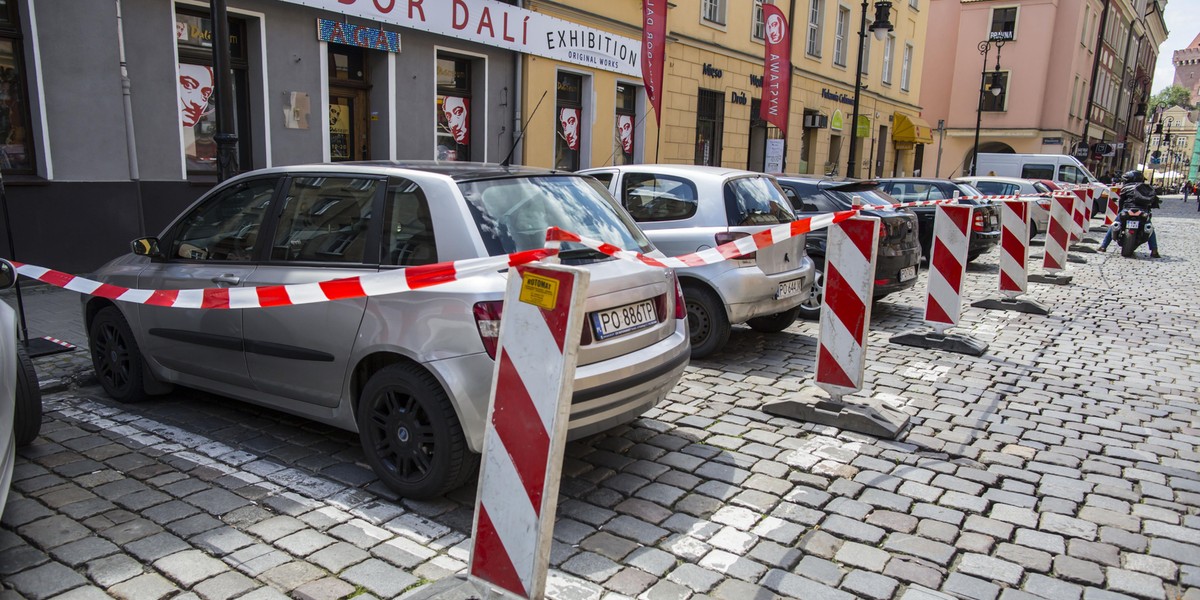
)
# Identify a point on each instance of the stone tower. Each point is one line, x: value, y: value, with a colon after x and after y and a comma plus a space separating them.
x: 1187, y: 68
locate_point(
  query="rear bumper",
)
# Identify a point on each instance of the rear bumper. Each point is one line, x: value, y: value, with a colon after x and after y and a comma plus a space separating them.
x: 982, y: 241
x: 750, y: 293
x: 887, y: 271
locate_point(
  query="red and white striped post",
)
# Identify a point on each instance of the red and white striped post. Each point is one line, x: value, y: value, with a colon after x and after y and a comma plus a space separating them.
x: 850, y: 255
x: 1077, y: 214
x: 527, y: 429
x: 1055, y: 262
x: 1014, y: 258
x: 947, y: 270
x: 1110, y: 212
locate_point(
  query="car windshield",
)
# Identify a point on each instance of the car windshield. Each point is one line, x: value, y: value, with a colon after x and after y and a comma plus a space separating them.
x: 756, y: 201
x: 872, y: 197
x: 513, y: 213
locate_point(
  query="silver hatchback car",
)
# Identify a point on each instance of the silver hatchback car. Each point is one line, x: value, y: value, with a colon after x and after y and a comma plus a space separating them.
x: 685, y: 209
x: 410, y: 372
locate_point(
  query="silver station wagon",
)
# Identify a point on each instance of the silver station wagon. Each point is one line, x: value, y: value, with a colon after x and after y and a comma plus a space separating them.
x: 410, y: 372
x: 685, y: 209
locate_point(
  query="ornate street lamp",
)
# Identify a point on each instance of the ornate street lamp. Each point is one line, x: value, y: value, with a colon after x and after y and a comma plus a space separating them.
x: 998, y: 38
x: 880, y: 27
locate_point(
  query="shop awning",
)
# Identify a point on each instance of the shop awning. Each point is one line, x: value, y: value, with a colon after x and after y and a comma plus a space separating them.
x: 912, y: 129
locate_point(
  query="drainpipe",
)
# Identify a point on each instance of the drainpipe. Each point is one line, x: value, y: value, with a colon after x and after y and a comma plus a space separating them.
x: 518, y: 82
x: 130, y: 138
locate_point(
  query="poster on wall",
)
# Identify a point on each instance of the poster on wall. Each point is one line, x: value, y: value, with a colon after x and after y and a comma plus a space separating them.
x: 197, y: 117
x: 454, y: 127
x: 339, y: 132
x: 773, y: 161
x: 625, y: 137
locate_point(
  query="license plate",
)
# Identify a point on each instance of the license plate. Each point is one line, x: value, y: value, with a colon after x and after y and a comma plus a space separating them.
x: 789, y: 288
x: 623, y: 319
x: 1132, y: 225
x: 908, y: 273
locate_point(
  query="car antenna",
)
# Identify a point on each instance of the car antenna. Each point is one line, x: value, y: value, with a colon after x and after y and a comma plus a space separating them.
x: 521, y: 134
x: 614, y: 152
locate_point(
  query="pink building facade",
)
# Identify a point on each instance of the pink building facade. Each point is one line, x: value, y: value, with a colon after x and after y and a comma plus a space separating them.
x: 1036, y: 89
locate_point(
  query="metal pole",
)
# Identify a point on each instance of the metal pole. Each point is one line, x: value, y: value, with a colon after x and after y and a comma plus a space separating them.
x: 130, y: 138
x: 937, y: 170
x: 984, y: 48
x: 1087, y: 121
x: 852, y: 171
x: 226, y: 137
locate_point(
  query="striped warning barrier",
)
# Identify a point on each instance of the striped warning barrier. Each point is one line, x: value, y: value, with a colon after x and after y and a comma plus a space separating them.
x: 1057, y: 239
x: 1110, y: 212
x: 943, y: 298
x: 527, y: 428
x: 1014, y: 258
x: 850, y: 254
x: 1077, y: 214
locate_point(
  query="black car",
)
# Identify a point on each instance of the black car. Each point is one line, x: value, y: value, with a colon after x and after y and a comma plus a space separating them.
x: 985, y: 229
x: 899, y: 250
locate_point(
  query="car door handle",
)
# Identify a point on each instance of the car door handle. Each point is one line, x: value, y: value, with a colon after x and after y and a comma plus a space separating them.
x: 228, y: 278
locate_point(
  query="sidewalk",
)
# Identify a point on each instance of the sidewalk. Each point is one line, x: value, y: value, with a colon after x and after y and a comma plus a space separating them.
x: 55, y: 312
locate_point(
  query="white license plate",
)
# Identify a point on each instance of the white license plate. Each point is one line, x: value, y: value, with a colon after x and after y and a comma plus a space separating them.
x: 789, y: 288
x: 623, y: 319
x: 1132, y: 224
x: 908, y: 273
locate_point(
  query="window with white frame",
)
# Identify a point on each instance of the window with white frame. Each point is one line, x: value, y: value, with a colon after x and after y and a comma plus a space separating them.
x: 914, y: 4
x: 866, y: 54
x: 816, y: 10
x: 906, y: 67
x: 714, y: 11
x: 758, y: 29
x: 889, y: 50
x: 840, y: 31
x: 1004, y: 20
x: 1084, y: 36
x: 1074, y: 96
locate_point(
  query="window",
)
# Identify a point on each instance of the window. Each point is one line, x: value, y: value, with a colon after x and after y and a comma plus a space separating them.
x: 225, y: 227
x: 993, y: 102
x: 713, y: 11
x: 816, y: 9
x: 889, y: 50
x: 906, y: 67
x: 1037, y: 171
x: 840, y: 32
x: 408, y: 239
x: 758, y: 27
x: 16, y: 138
x: 866, y: 54
x: 756, y: 200
x: 710, y: 124
x: 1074, y: 96
x: 568, y: 133
x: 996, y: 188
x: 1004, y: 20
x: 453, y: 108
x: 1071, y: 174
x: 650, y: 197
x: 1084, y: 36
x: 198, y: 88
x: 914, y: 4
x: 624, y: 136
x: 326, y: 219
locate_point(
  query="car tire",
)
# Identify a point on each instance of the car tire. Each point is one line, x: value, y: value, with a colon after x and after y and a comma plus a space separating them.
x: 810, y: 309
x: 1033, y: 230
x: 27, y: 417
x: 776, y: 322
x: 116, y: 357
x: 708, y: 324
x: 411, y: 435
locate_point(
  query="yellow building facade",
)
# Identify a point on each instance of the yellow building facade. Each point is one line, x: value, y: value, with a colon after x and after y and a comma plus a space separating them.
x: 713, y: 84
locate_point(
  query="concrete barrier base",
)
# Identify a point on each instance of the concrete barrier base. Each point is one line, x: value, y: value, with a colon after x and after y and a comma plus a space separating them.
x: 1081, y: 247
x: 452, y: 588
x: 1051, y: 278
x: 960, y: 344
x: 1020, y: 305
x: 871, y: 416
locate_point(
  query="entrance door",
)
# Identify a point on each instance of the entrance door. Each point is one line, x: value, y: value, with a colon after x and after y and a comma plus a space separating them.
x: 348, y: 124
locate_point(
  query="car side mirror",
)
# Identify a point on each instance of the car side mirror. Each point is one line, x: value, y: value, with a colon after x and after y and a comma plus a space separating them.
x: 146, y: 246
x: 8, y: 274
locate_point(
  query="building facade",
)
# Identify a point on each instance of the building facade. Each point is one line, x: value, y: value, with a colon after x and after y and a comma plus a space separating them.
x: 1018, y: 101
x: 1187, y: 68
x: 1172, y: 145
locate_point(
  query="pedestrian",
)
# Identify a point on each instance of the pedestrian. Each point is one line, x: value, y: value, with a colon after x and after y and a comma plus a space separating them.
x: 1186, y: 188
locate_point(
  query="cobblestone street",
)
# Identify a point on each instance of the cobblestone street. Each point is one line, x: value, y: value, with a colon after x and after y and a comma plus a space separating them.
x: 1063, y: 464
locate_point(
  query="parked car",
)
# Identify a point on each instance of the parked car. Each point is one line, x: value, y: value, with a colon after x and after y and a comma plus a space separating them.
x: 685, y: 209
x: 899, y: 252
x: 1035, y: 190
x: 985, y: 228
x: 410, y: 372
x: 20, y: 397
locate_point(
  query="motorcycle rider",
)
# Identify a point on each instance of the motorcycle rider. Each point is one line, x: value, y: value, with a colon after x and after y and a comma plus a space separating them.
x: 1135, y: 193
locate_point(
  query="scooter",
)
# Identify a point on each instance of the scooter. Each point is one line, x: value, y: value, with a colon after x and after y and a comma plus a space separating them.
x: 1133, y: 230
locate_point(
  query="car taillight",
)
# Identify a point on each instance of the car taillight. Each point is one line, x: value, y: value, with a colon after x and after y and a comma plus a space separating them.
x: 680, y: 307
x: 725, y: 237
x: 978, y: 224
x: 487, y: 320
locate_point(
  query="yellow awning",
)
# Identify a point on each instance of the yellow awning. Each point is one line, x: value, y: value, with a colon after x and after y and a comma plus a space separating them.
x: 912, y: 129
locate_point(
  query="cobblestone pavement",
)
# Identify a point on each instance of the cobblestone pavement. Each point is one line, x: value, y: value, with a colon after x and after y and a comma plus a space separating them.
x: 1060, y: 465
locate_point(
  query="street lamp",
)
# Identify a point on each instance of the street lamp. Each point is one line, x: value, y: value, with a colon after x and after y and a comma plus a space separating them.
x: 1158, y: 129
x: 998, y: 38
x: 881, y: 27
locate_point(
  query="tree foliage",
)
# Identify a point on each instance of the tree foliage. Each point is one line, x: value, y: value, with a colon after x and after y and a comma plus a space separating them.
x: 1172, y: 96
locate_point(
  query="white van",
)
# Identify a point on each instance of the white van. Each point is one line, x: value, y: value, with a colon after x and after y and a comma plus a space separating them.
x: 1058, y: 168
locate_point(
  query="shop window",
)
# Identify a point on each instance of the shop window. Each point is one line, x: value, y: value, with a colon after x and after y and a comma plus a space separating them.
x: 568, y: 133
x: 710, y: 123
x: 626, y: 125
x: 453, y: 107
x: 16, y: 137
x: 198, y: 90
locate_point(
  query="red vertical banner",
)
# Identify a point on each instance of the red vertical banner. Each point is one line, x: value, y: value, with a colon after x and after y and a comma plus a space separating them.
x: 654, y: 51
x: 777, y: 68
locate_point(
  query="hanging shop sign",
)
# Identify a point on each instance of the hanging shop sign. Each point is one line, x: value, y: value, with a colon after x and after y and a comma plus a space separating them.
x: 353, y: 35
x: 502, y: 26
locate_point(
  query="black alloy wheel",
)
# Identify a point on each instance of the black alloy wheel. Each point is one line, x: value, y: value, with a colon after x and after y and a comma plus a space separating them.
x: 27, y: 416
x: 116, y: 357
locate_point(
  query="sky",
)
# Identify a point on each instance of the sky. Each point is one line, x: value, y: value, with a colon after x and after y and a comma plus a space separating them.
x: 1183, y: 24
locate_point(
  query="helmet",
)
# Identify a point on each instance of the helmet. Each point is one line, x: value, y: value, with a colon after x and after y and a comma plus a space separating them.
x: 1133, y: 176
